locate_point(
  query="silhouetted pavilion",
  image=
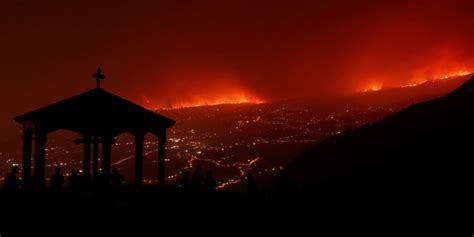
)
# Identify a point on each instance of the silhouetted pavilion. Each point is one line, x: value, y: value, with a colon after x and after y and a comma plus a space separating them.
x: 98, y: 116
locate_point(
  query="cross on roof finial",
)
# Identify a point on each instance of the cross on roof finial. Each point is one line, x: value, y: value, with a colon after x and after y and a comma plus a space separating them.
x: 98, y: 76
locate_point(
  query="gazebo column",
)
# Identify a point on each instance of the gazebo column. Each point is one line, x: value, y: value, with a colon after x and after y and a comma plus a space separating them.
x: 161, y: 157
x: 40, y: 156
x: 139, y: 141
x: 86, y: 163
x: 106, y: 157
x: 27, y: 154
x: 95, y: 161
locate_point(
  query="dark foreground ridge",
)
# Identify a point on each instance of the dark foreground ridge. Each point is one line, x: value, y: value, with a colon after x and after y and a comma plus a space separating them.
x: 421, y: 156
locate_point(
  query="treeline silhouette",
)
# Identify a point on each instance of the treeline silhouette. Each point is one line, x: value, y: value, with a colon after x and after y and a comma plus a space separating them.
x: 197, y: 183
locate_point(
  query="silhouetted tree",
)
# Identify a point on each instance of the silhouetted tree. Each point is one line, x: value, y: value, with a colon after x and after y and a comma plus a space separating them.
x: 57, y: 179
x: 116, y: 178
x: 11, y: 181
x: 250, y: 185
x: 196, y: 178
x: 184, y: 182
x: 74, y: 181
x: 209, y: 182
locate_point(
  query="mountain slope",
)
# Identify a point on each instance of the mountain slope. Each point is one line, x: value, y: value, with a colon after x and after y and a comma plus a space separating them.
x: 424, y: 149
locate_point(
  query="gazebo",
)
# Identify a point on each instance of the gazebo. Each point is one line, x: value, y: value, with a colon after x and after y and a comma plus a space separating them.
x: 98, y: 116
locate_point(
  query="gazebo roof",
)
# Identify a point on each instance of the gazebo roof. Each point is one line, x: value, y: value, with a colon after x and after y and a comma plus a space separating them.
x: 96, y: 111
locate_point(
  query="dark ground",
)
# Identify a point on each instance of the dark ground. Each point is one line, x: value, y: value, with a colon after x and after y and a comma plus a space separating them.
x: 154, y: 212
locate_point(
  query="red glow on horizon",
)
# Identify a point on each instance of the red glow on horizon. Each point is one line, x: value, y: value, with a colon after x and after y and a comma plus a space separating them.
x: 374, y: 86
x: 228, y: 98
x: 439, y: 77
x: 419, y: 80
x: 231, y: 96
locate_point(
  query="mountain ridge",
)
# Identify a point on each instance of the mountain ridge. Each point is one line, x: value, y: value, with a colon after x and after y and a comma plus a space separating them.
x: 424, y: 146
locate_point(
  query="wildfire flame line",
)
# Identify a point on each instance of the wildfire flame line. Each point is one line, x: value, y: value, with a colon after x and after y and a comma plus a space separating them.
x: 230, y: 98
x: 375, y: 86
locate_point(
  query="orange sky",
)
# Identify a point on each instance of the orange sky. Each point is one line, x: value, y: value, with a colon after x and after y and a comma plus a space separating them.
x: 172, y: 53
